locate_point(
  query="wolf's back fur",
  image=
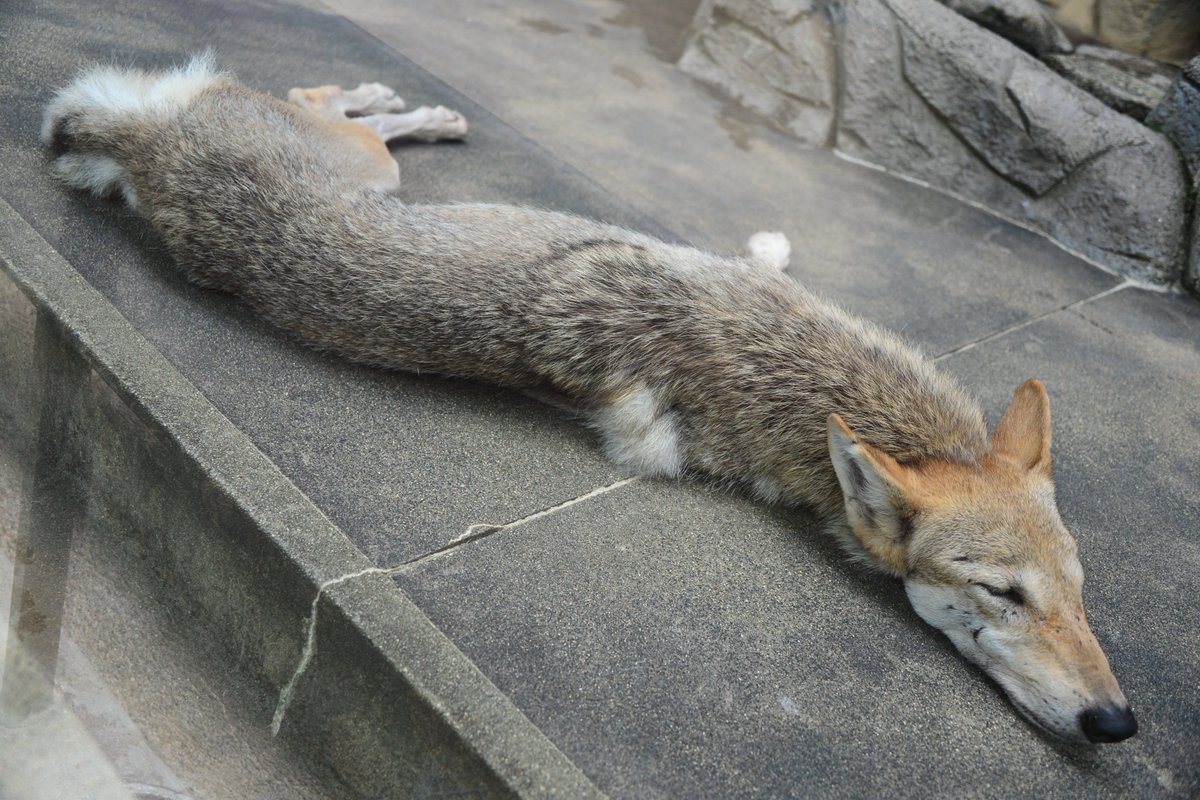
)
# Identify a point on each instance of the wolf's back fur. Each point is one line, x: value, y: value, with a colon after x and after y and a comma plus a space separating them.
x: 682, y: 359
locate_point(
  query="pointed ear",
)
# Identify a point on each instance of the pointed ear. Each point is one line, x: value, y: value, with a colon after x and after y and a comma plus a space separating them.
x: 879, y: 496
x: 1023, y: 435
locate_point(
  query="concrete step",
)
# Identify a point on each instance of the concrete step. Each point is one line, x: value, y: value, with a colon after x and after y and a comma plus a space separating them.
x: 141, y: 495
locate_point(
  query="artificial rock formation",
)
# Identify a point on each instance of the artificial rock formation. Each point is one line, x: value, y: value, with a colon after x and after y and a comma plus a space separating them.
x: 775, y: 57
x: 1127, y: 83
x: 922, y: 91
x: 1179, y: 117
x: 1025, y: 23
x: 1165, y: 30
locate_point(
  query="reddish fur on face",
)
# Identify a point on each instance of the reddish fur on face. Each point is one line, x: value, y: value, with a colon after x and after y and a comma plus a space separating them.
x: 992, y: 522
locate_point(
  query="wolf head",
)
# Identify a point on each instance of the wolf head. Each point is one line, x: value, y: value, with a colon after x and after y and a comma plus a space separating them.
x: 986, y: 559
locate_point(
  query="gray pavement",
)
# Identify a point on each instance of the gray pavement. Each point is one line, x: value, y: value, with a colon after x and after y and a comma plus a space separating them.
x: 672, y: 639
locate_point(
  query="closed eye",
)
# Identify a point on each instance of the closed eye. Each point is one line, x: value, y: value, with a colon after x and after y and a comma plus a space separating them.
x: 1011, y: 594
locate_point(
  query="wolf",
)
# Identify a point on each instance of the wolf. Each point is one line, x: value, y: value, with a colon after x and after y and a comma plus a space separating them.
x: 683, y: 361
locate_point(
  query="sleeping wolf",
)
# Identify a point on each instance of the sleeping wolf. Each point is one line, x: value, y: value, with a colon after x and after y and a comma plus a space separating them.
x: 682, y: 361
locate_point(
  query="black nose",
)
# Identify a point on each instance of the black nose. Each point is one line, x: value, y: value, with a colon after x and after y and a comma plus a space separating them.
x: 1108, y: 724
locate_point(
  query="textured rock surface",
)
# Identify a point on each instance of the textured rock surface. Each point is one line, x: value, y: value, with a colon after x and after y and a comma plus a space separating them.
x: 924, y: 92
x: 929, y: 94
x: 1166, y: 30
x: 1129, y: 84
x: 1178, y: 115
x: 775, y: 58
x: 1025, y: 23
x: 1191, y: 273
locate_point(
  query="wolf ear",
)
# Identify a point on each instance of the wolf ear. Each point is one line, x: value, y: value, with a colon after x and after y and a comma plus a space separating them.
x: 1023, y: 434
x: 879, y: 496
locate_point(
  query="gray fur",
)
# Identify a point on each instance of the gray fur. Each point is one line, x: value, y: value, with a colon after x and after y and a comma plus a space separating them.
x: 742, y: 363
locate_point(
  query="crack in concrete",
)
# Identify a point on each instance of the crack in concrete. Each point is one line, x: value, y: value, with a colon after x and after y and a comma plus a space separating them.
x: 310, y: 647
x: 1077, y: 313
x: 473, y: 533
x: 1026, y: 323
x: 483, y: 530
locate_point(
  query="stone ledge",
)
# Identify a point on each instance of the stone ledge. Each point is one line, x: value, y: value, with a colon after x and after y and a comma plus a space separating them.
x: 246, y: 557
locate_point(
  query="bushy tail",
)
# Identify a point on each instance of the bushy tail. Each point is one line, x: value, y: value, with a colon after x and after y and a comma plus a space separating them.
x: 89, y: 125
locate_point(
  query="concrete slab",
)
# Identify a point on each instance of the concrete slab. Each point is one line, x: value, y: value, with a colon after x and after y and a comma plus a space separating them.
x: 17, y: 320
x: 593, y: 81
x: 222, y: 545
x: 401, y: 464
x: 45, y: 753
x: 680, y: 641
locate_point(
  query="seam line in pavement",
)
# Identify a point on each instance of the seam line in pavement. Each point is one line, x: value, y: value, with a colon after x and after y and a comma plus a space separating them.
x: 1026, y: 323
x: 472, y: 534
x: 482, y: 530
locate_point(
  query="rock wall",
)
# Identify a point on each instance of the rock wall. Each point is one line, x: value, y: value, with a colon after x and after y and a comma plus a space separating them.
x: 914, y: 87
x: 1179, y: 117
x: 775, y: 57
x: 1167, y: 30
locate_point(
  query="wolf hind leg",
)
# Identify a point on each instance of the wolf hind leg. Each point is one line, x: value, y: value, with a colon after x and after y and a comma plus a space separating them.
x: 424, y: 123
x: 336, y: 103
x: 376, y: 106
x: 372, y: 98
x: 360, y: 125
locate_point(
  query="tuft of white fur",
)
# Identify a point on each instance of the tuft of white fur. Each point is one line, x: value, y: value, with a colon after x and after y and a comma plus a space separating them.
x: 771, y: 248
x: 638, y: 436
x: 99, y: 175
x: 112, y: 92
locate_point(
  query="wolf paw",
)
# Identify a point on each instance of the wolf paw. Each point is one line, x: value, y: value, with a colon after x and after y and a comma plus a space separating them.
x: 446, y: 124
x: 336, y: 103
x: 372, y: 98
x: 424, y: 123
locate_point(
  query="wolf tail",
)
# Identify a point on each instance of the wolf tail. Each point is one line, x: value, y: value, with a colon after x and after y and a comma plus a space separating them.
x: 91, y: 126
